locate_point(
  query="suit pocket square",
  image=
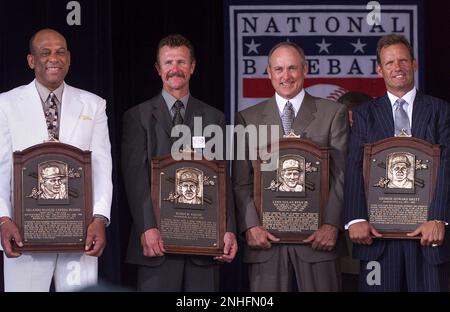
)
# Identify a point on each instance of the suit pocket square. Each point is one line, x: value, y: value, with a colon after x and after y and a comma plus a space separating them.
x: 85, y: 117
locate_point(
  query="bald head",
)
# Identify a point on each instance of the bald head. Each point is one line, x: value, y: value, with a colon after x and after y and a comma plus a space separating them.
x: 44, y: 32
x: 49, y: 58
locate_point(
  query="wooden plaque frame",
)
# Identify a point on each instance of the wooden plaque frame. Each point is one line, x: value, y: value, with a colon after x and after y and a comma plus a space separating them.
x: 317, y: 193
x: 168, y: 172
x: 424, y: 157
x: 35, y: 215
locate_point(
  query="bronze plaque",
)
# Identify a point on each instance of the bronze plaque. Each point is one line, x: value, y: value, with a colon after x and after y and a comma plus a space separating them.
x: 399, y: 177
x: 189, y: 200
x: 290, y: 199
x: 52, y: 197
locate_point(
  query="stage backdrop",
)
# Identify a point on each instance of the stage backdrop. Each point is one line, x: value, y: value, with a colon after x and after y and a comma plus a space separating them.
x: 339, y: 42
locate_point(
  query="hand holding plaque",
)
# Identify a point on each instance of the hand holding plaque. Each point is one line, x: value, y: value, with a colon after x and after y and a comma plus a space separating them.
x: 290, y: 200
x: 189, y: 203
x: 399, y: 176
x: 53, y: 198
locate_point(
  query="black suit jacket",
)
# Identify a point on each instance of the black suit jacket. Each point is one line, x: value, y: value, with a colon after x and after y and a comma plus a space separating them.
x: 146, y: 134
x: 373, y: 121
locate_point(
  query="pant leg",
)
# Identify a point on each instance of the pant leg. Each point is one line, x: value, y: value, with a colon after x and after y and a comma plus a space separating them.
x: 421, y: 275
x: 273, y: 275
x: 31, y: 272
x: 168, y: 276
x: 200, y: 278
x: 385, y: 274
x: 75, y: 271
x: 322, y: 276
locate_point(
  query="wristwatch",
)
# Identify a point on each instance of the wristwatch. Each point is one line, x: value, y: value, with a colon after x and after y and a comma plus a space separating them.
x: 103, y: 218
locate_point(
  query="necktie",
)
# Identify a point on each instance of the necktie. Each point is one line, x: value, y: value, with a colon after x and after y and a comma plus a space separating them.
x: 51, y: 117
x: 401, y: 121
x: 288, y: 117
x: 177, y: 118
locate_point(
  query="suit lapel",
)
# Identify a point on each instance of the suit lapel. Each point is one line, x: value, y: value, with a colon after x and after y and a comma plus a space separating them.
x: 420, y: 117
x: 305, y: 115
x: 30, y: 106
x: 32, y: 113
x: 382, y: 111
x: 270, y: 115
x: 162, y: 115
x: 192, y: 110
x: 71, y: 109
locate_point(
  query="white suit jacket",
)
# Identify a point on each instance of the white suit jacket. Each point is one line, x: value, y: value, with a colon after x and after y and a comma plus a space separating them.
x: 83, y: 124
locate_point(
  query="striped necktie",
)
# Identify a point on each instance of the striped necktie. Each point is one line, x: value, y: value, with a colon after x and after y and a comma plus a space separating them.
x: 288, y: 117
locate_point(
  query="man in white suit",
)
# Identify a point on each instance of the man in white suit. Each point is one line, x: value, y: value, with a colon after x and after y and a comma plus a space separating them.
x: 81, y: 122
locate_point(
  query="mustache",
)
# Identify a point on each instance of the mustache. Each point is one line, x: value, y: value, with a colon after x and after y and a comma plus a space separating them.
x: 175, y: 74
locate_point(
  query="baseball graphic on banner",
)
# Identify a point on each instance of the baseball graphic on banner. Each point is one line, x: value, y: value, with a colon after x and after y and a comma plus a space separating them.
x: 326, y: 91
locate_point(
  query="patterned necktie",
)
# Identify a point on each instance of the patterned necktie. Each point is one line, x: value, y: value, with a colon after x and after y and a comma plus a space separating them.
x: 401, y: 121
x: 177, y: 118
x: 288, y: 117
x: 51, y: 117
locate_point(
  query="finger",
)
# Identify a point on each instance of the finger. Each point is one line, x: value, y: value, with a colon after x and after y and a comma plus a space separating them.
x: 17, y: 238
x: 424, y: 242
x: 233, y: 250
x: 98, y: 245
x: 96, y: 250
x: 368, y: 241
x: 161, y: 246
x: 228, y: 257
x: 89, y: 241
x: 225, y: 258
x: 375, y: 233
x: 415, y: 233
x: 272, y: 237
x: 157, y: 250
x: 266, y: 245
x: 9, y: 252
x: 309, y: 239
x: 226, y: 247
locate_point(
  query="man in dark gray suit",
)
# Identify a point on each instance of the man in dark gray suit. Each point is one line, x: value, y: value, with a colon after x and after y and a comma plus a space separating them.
x: 147, y: 134
x: 313, y: 265
x: 404, y: 265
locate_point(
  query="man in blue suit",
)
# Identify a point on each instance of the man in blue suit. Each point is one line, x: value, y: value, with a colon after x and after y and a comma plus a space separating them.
x: 404, y: 265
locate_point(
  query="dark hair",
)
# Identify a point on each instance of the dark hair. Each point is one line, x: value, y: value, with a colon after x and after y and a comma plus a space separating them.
x: 391, y: 39
x: 287, y: 44
x: 175, y: 41
x: 354, y: 98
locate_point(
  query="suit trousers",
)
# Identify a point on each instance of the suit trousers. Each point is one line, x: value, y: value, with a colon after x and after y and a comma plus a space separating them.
x: 278, y: 273
x: 178, y: 273
x: 402, y: 267
x: 34, y: 272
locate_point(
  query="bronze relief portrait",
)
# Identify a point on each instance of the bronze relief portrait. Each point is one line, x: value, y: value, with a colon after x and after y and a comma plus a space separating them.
x: 53, y: 180
x: 291, y: 173
x: 400, y: 170
x: 189, y: 186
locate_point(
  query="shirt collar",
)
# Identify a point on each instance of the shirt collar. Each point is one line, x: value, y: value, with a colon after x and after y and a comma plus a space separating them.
x: 408, y: 97
x: 44, y: 92
x: 170, y: 100
x: 296, y: 101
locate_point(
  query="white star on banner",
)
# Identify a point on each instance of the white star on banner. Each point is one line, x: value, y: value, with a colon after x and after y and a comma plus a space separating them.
x: 358, y: 46
x: 323, y: 46
x: 252, y: 46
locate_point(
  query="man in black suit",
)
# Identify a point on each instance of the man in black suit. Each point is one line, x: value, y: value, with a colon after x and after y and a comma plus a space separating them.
x: 405, y: 265
x: 147, y: 134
